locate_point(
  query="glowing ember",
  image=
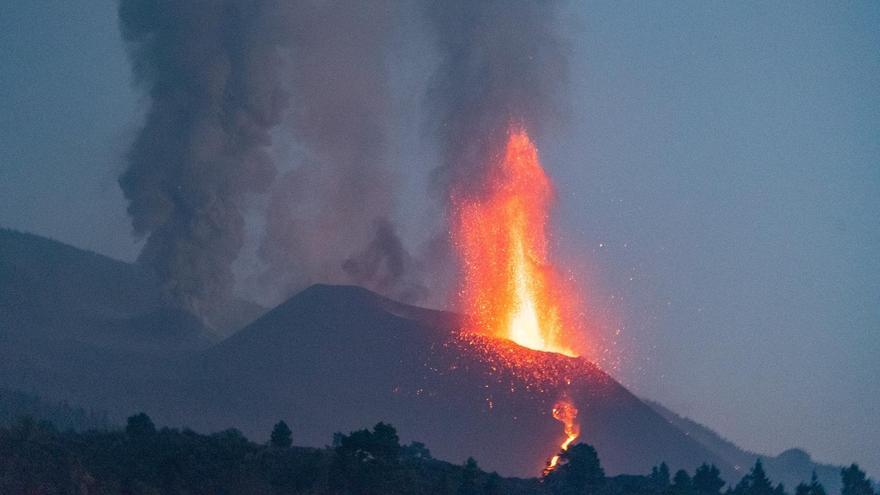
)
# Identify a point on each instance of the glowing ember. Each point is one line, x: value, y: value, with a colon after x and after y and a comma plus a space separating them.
x: 565, y: 412
x: 509, y: 288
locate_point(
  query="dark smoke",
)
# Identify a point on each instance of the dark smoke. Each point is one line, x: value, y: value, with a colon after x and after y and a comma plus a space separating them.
x: 386, y: 266
x: 223, y: 77
x: 210, y: 72
x: 328, y: 218
x: 502, y: 61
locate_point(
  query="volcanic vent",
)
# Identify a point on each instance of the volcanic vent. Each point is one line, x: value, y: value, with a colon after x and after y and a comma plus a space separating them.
x: 509, y: 287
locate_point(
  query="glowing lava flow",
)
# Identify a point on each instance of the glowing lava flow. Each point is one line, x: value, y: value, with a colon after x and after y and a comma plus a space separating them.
x: 564, y: 412
x: 509, y: 288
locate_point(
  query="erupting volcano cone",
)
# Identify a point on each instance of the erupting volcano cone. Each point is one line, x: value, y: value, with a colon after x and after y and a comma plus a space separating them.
x: 509, y: 287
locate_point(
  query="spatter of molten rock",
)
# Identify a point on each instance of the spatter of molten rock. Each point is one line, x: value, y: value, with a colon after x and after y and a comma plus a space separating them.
x: 509, y: 288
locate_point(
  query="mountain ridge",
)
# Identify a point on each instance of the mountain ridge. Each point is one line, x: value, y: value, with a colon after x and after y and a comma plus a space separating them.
x: 790, y: 467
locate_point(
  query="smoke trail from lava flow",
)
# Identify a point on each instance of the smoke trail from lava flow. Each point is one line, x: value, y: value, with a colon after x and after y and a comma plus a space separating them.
x: 209, y: 69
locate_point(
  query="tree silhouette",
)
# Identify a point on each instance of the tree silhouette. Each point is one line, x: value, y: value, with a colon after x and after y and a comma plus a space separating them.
x: 814, y: 488
x: 854, y: 481
x: 755, y: 483
x: 660, y: 476
x: 707, y: 480
x: 386, y: 443
x: 469, y: 475
x: 681, y: 483
x: 578, y: 470
x: 140, y: 425
x: 281, y: 437
x: 382, y: 444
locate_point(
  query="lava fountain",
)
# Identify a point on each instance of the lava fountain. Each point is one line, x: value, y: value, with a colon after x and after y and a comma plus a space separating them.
x: 509, y: 289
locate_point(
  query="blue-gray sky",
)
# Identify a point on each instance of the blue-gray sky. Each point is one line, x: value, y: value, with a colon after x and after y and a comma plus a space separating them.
x: 718, y: 176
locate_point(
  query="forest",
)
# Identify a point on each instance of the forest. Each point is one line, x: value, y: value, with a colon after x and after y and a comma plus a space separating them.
x: 36, y: 457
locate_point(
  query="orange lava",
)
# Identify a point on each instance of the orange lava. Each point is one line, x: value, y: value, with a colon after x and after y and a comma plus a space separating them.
x: 509, y: 288
x: 564, y: 412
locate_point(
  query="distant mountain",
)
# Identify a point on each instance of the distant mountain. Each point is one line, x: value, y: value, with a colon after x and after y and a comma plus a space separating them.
x: 50, y: 291
x: 790, y: 467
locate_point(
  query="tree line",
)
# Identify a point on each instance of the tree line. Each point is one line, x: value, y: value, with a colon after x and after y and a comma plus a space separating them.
x: 38, y: 458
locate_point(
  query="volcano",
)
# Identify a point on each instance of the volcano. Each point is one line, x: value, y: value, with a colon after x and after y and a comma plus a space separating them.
x: 330, y: 359
x: 338, y: 358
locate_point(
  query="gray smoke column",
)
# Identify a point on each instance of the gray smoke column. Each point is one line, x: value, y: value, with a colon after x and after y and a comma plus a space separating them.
x: 329, y: 217
x: 209, y: 71
x: 502, y: 61
x: 386, y: 266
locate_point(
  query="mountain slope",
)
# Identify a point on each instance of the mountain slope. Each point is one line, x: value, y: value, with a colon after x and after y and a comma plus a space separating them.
x: 53, y: 291
x: 335, y: 358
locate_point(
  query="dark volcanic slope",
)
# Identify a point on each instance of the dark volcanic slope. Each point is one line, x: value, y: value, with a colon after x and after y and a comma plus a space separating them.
x: 55, y: 293
x: 339, y: 358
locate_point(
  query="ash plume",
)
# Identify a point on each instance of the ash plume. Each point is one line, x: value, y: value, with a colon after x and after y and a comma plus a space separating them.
x: 328, y: 218
x: 386, y: 266
x: 223, y: 78
x: 502, y: 61
x: 210, y: 72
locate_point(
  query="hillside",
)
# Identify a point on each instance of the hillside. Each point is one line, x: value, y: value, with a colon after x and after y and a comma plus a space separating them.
x: 790, y: 467
x: 56, y: 293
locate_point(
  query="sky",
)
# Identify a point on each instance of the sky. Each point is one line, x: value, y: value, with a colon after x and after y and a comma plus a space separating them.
x: 718, y: 180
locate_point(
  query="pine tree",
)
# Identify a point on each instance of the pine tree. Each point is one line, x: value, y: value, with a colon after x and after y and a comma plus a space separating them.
x: 816, y: 488
x: 660, y: 476
x: 813, y: 488
x: 681, y: 483
x: 855, y: 482
x: 707, y: 480
x: 755, y: 483
x: 469, y: 476
x: 281, y: 436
